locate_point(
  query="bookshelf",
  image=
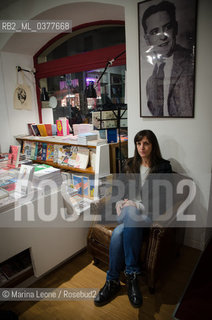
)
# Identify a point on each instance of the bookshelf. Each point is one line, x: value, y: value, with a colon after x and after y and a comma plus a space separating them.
x: 102, y: 162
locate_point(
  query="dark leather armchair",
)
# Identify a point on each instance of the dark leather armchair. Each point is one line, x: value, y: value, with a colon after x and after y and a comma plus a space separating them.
x: 160, y: 245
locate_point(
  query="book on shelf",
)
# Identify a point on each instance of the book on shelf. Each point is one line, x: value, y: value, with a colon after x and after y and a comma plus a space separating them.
x: 50, y: 152
x: 73, y: 156
x: 31, y: 132
x: 62, y: 127
x: 39, y: 151
x: 27, y: 149
x: 82, y: 158
x: 13, y: 156
x: 44, y: 151
x: 48, y: 129
x: 93, y: 159
x: 84, y: 138
x: 35, y: 130
x: 111, y: 135
x: 78, y: 183
x: 63, y: 155
x: 54, y: 129
x: 42, y: 129
x: 84, y: 184
x: 33, y: 154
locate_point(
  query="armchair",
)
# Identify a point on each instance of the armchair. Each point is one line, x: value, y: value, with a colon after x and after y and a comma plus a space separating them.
x: 160, y: 244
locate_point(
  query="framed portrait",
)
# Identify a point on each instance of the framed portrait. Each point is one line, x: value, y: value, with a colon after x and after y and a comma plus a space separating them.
x: 167, y: 47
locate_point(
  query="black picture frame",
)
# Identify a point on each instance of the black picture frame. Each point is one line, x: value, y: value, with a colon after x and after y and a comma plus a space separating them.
x: 167, y: 41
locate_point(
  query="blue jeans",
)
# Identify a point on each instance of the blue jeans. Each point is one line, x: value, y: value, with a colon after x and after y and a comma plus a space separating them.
x: 126, y: 244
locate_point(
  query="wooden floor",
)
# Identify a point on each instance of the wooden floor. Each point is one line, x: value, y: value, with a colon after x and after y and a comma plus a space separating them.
x: 81, y: 273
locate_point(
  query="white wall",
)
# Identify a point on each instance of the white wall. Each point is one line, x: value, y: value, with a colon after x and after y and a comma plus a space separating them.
x: 187, y: 142
x: 15, y: 120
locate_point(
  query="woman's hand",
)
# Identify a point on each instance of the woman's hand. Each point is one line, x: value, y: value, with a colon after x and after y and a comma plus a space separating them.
x: 129, y: 203
x: 119, y: 206
x: 124, y: 203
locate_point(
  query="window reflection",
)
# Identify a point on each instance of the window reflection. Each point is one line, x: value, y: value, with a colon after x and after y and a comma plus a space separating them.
x: 78, y: 94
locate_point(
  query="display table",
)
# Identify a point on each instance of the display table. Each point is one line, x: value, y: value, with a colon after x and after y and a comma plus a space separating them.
x: 46, y: 227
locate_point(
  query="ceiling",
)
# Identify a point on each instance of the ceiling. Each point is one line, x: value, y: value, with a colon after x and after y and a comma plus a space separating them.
x: 79, y: 13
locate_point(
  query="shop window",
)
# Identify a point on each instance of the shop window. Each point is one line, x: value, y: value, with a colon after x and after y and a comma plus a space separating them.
x: 69, y: 68
x: 70, y: 91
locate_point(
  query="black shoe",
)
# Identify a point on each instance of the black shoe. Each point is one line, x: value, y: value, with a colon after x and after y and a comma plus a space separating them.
x: 134, y: 292
x: 107, y: 293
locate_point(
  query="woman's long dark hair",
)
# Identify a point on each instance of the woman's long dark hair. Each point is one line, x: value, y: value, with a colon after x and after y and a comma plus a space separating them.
x: 134, y: 164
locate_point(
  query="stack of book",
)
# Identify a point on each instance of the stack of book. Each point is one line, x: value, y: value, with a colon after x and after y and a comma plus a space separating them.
x: 44, y: 172
x: 83, y: 138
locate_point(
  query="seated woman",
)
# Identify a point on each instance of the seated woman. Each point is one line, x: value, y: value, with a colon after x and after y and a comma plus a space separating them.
x: 126, y: 238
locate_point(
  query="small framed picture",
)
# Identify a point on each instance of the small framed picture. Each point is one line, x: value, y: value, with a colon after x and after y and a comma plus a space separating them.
x: 167, y: 45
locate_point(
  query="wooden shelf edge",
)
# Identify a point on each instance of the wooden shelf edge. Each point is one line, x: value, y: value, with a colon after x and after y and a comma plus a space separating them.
x: 89, y: 170
x: 19, y: 139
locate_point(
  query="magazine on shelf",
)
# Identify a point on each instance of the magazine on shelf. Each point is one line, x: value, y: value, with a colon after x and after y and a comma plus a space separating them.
x: 27, y: 149
x: 64, y: 155
x: 50, y: 152
x: 33, y: 154
x: 82, y: 158
x: 73, y: 156
x: 44, y: 151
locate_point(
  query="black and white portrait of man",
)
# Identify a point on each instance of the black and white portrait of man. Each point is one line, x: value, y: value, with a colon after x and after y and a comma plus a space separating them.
x: 167, y: 56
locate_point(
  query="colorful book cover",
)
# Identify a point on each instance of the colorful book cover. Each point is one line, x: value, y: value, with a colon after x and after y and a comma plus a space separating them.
x: 33, y: 151
x: 62, y: 127
x: 65, y: 155
x: 31, y: 132
x: 35, y: 130
x: 54, y: 129
x: 73, y: 156
x: 111, y: 135
x: 78, y: 183
x: 44, y: 151
x: 13, y: 157
x: 91, y: 184
x: 48, y: 129
x: 27, y: 149
x: 39, y: 151
x: 42, y: 130
x: 86, y: 189
x: 50, y: 152
x: 59, y: 127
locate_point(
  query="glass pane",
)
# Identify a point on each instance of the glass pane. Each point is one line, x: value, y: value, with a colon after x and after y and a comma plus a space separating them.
x: 78, y: 94
x: 84, y: 41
